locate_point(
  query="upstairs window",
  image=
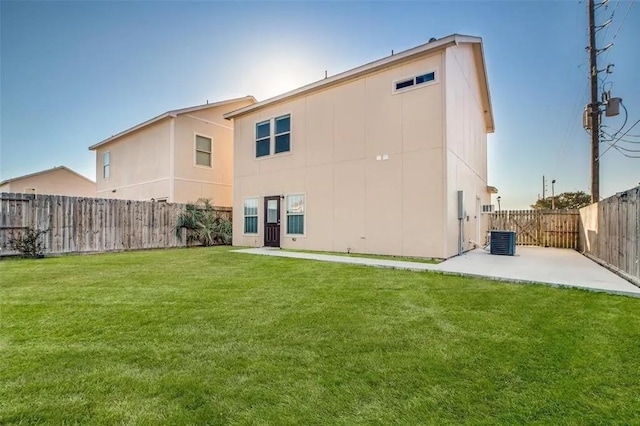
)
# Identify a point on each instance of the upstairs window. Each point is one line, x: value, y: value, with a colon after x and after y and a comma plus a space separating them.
x: 203, y: 151
x: 283, y: 133
x: 106, y: 165
x: 425, y: 78
x: 419, y: 80
x: 281, y: 136
x: 263, y: 138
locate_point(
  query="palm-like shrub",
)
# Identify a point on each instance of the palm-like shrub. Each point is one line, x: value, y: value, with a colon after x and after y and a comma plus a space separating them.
x: 203, y: 224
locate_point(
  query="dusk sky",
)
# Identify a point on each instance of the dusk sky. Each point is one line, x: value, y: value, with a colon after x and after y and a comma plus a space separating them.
x: 75, y: 73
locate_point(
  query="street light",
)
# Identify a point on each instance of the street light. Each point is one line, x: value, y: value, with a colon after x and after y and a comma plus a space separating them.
x: 498, y: 203
x: 553, y: 195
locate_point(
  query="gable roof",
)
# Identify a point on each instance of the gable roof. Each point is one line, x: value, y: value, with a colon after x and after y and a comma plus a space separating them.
x: 172, y: 113
x: 46, y: 171
x: 405, y: 56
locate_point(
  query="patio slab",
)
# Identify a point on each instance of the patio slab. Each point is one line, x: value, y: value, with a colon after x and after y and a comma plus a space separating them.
x: 535, y: 265
x: 560, y: 267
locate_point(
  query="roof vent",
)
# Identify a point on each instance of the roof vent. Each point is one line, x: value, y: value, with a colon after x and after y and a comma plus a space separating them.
x: 432, y: 39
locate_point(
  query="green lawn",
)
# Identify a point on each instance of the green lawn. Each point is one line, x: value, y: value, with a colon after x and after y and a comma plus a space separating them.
x: 207, y: 336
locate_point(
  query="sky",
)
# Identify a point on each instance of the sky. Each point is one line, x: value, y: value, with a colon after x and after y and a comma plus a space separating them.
x: 75, y: 73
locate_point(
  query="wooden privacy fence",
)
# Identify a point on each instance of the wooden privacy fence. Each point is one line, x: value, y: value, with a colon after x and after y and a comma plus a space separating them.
x: 546, y: 228
x: 91, y: 224
x: 610, y: 232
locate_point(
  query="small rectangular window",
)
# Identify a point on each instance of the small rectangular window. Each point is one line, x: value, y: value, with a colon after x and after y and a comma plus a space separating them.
x: 203, y: 151
x: 420, y: 79
x: 295, y: 214
x: 488, y: 208
x: 251, y: 216
x: 106, y: 165
x: 403, y: 84
x: 283, y: 134
x: 263, y: 138
x: 425, y: 78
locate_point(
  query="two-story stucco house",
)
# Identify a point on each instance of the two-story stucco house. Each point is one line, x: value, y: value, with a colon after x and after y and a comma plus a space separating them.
x: 59, y: 180
x: 387, y: 158
x: 179, y: 156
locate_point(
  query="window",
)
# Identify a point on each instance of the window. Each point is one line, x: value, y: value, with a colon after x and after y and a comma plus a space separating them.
x: 488, y: 208
x: 263, y: 138
x: 295, y: 214
x: 251, y: 216
x: 203, y: 151
x: 283, y: 133
x: 281, y: 136
x: 403, y: 84
x: 418, y: 80
x: 425, y: 78
x: 106, y: 165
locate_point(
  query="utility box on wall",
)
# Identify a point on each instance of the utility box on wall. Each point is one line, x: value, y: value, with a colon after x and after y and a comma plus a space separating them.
x: 503, y: 243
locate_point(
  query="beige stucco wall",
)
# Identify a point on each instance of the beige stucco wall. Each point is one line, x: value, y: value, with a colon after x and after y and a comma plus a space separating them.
x: 158, y: 161
x: 466, y: 153
x: 140, y: 164
x: 193, y: 181
x: 54, y: 182
x: 354, y: 201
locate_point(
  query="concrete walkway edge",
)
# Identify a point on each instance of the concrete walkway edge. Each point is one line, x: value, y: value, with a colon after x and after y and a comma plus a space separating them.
x: 455, y: 267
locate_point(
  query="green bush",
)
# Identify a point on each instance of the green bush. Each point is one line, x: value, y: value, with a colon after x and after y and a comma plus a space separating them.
x: 28, y: 242
x: 204, y: 225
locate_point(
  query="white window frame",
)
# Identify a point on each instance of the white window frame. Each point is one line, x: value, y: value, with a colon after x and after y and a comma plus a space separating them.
x: 196, y: 150
x: 436, y: 80
x: 256, y: 140
x: 286, y: 215
x: 257, y: 215
x: 272, y: 136
x: 106, y: 167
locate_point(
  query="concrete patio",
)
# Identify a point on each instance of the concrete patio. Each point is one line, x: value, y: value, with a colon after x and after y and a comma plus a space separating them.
x: 540, y: 265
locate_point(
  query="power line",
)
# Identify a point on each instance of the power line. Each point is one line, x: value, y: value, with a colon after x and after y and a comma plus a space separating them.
x: 622, y: 148
x: 613, y: 145
x: 622, y: 23
x: 570, y: 130
x: 626, y: 155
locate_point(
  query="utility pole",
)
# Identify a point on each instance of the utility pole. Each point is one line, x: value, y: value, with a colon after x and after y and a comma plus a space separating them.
x: 595, y: 106
x: 553, y: 194
x: 544, y: 188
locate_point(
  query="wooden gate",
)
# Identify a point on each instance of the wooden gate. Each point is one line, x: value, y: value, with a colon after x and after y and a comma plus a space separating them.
x: 546, y: 228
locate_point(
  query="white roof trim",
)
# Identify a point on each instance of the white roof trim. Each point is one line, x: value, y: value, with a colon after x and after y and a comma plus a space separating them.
x: 41, y: 172
x: 434, y: 46
x: 172, y: 113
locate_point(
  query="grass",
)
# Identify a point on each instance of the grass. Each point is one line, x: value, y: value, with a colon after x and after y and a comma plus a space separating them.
x: 207, y: 336
x: 369, y: 256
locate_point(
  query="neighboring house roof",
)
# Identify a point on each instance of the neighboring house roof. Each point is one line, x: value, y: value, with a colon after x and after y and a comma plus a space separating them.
x: 43, y: 172
x: 172, y: 113
x: 383, y: 63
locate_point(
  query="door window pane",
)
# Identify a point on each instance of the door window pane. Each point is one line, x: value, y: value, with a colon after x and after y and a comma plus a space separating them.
x: 272, y: 211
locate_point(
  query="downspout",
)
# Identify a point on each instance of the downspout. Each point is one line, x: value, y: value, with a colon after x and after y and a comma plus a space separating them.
x: 172, y: 158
